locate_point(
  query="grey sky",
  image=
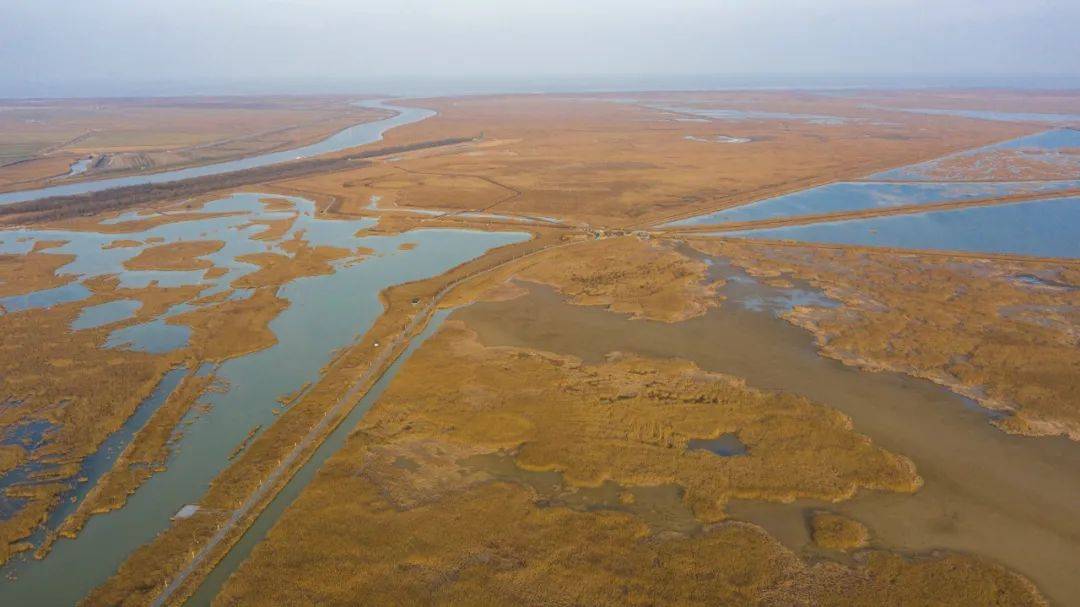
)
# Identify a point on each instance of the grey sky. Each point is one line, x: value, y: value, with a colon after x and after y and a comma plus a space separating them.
x: 57, y: 43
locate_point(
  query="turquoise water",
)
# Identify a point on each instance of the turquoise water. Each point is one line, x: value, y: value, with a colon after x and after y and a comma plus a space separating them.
x: 1047, y: 228
x: 861, y: 195
x: 360, y: 134
x: 325, y: 313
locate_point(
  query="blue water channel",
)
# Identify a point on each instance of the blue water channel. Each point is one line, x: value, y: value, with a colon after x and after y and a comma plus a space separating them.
x: 1045, y: 228
x: 357, y: 135
x: 863, y: 195
x: 325, y: 314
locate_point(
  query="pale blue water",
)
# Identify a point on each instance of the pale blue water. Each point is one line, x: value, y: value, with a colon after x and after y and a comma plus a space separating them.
x: 325, y: 313
x: 80, y: 166
x: 996, y: 116
x: 1045, y: 146
x: 860, y: 195
x: 1048, y: 228
x: 45, y: 298
x: 360, y: 134
x: 270, y: 515
x: 105, y: 314
x: 156, y: 337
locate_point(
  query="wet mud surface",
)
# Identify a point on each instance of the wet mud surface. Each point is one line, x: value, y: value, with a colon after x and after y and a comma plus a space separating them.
x: 1008, y: 498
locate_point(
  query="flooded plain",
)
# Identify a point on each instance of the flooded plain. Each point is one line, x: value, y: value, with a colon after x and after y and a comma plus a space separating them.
x: 1008, y: 498
x: 325, y: 313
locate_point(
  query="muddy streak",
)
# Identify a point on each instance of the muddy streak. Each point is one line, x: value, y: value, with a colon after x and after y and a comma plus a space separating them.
x: 1012, y: 499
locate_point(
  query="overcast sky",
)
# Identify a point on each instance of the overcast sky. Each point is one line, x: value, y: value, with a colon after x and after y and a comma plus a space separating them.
x: 64, y: 44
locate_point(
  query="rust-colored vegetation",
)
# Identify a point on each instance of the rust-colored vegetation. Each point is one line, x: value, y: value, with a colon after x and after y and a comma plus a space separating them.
x: 427, y: 519
x: 186, y: 255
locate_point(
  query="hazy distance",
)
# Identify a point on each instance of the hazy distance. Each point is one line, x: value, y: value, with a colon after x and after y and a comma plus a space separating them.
x: 119, y: 47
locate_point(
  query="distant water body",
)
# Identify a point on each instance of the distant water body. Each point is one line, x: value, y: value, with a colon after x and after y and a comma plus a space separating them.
x: 430, y: 86
x: 353, y: 136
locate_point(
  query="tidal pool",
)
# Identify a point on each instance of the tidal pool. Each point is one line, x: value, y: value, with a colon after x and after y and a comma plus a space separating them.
x: 1043, y: 228
x: 863, y: 195
x: 360, y: 134
x: 326, y: 313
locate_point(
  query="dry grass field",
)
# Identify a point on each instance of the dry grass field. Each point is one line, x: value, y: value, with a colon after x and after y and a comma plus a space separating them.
x: 607, y: 162
x: 1005, y: 333
x: 411, y: 511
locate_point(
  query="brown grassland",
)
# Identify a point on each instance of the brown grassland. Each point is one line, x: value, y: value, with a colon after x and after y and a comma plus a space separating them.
x: 35, y: 271
x: 644, y: 279
x: 399, y: 516
x: 591, y: 160
x: 974, y: 325
x: 835, y: 532
x: 514, y: 475
x: 176, y: 256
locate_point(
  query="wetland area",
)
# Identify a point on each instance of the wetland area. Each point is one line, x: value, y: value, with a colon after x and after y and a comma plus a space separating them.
x: 743, y: 347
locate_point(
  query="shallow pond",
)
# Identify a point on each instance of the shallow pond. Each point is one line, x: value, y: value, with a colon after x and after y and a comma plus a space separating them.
x: 106, y: 314
x: 725, y: 445
x: 1044, y: 228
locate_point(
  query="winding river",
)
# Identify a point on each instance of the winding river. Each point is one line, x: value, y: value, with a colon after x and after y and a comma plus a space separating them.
x: 356, y: 135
